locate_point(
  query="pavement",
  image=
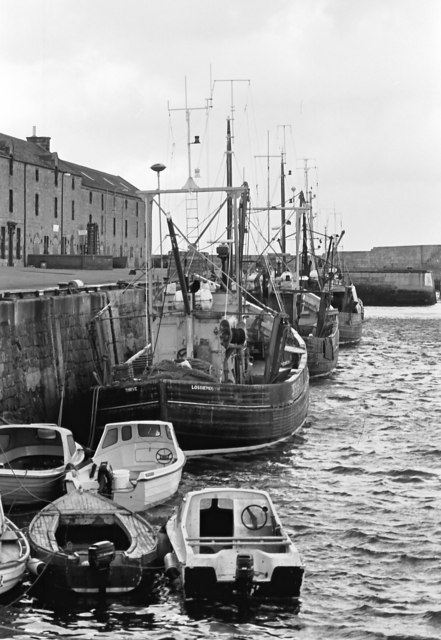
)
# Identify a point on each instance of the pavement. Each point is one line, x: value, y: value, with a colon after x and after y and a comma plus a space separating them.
x: 18, y: 278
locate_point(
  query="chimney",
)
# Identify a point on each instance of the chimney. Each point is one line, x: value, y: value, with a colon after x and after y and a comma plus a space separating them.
x: 42, y: 141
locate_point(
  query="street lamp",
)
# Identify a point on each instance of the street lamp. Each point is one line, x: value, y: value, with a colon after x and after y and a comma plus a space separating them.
x: 158, y: 167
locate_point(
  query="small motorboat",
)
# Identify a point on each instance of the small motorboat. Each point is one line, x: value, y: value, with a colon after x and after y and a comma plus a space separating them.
x: 33, y: 460
x: 231, y: 541
x: 83, y: 543
x: 137, y: 464
x: 14, y: 553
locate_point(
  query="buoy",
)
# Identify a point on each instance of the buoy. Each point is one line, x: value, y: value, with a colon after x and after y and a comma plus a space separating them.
x: 171, y: 566
x: 36, y: 566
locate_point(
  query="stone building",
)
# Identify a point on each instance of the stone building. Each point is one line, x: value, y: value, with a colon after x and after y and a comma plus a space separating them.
x: 52, y: 207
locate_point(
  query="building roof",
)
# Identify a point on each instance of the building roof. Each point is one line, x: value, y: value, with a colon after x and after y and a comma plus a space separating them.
x: 94, y: 179
x: 33, y: 153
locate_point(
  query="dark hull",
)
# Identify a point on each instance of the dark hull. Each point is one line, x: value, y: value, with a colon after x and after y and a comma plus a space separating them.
x: 211, y: 417
x: 322, y: 354
x: 200, y: 583
x: 393, y: 296
x: 350, y: 327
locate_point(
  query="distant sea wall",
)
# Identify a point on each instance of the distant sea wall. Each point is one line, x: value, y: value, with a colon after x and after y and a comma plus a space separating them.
x: 417, y: 257
x: 48, y: 357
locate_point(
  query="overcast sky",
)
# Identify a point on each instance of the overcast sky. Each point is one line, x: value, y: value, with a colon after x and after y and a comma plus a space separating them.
x: 353, y: 86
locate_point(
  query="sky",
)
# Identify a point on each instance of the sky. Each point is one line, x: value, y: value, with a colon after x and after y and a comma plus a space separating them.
x: 347, y: 93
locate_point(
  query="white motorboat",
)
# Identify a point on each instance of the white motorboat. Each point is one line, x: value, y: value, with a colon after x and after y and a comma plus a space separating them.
x: 231, y: 541
x: 137, y: 464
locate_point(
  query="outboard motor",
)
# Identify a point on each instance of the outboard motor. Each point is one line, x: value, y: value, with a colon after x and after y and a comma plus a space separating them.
x: 244, y: 573
x: 101, y: 555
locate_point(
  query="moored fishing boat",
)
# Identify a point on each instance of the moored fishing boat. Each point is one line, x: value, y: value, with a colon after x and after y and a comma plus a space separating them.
x: 231, y: 541
x: 229, y: 374
x: 136, y: 464
x: 84, y: 543
x: 33, y: 461
x: 350, y: 312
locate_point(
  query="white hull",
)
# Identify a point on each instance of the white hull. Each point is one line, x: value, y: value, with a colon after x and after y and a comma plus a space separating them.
x: 140, y: 471
x: 14, y: 554
x: 232, y: 540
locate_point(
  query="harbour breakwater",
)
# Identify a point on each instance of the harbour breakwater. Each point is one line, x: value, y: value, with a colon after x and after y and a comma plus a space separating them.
x: 49, y: 361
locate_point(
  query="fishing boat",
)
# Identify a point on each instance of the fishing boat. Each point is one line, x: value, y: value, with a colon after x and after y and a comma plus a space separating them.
x: 350, y: 312
x: 231, y: 541
x: 14, y: 553
x: 314, y: 318
x: 136, y: 464
x: 33, y: 461
x: 230, y: 374
x: 84, y: 543
x: 307, y: 302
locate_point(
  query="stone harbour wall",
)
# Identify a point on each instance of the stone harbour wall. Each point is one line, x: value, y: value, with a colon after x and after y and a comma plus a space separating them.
x: 48, y: 357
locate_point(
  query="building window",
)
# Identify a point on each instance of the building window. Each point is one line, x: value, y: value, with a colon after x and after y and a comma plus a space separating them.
x: 11, y: 201
x: 102, y: 225
x: 114, y: 226
x: 45, y: 245
x: 18, y: 244
x: 2, y: 242
x: 37, y: 175
x: 125, y: 228
x: 90, y: 197
x: 55, y: 207
x: 137, y: 209
x: 137, y: 234
x: 37, y: 204
x: 73, y: 209
x: 56, y: 177
x: 125, y: 204
x: 131, y: 252
x: 73, y: 182
x: 102, y: 202
x: 11, y: 166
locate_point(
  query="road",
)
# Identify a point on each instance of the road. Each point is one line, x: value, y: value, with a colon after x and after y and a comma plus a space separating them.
x: 31, y: 278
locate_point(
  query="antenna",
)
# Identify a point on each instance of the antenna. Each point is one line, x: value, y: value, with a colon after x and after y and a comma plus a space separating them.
x: 231, y: 81
x: 268, y: 156
x: 192, y: 216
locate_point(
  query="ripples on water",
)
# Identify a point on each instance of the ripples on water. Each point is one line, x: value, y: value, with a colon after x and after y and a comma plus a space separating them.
x: 360, y: 490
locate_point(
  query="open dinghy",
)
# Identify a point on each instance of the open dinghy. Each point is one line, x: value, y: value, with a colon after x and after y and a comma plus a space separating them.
x: 33, y: 461
x: 84, y: 543
x: 231, y: 541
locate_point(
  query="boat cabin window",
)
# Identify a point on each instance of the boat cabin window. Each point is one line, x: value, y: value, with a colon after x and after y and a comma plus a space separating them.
x: 168, y: 432
x: 149, y: 430
x: 126, y: 432
x: 111, y: 438
x: 47, y: 434
x: 71, y: 445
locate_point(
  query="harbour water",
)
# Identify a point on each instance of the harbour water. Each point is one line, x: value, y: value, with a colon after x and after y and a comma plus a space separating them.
x: 359, y: 488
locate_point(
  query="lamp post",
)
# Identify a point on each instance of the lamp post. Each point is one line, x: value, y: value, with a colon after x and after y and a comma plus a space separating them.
x: 158, y: 167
